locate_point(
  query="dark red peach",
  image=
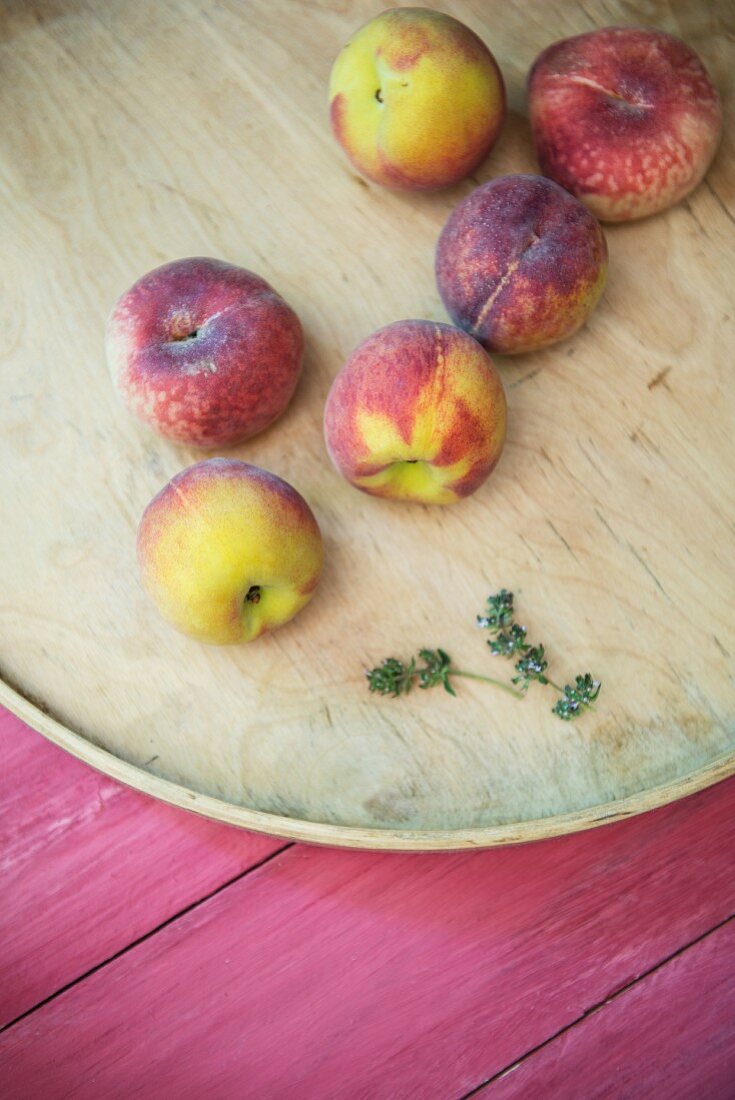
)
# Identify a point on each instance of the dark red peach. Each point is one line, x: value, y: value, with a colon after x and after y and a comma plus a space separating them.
x: 520, y: 263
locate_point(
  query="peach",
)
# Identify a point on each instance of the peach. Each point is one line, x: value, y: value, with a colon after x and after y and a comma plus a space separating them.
x: 228, y: 551
x: 520, y: 263
x: 625, y: 118
x: 204, y: 352
x: 416, y: 99
x: 416, y: 413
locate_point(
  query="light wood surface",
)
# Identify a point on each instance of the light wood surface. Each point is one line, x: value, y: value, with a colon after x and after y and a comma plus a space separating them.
x: 133, y: 134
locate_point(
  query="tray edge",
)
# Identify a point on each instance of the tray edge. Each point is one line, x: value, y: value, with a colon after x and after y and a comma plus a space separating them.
x: 359, y: 837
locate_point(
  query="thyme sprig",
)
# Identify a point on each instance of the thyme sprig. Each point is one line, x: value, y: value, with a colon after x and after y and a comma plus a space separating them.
x: 508, y: 642
x: 577, y: 698
x: 499, y: 612
x: 508, y: 639
x: 394, y: 677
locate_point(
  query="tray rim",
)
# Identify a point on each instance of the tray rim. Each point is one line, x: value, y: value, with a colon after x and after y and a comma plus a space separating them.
x: 356, y: 836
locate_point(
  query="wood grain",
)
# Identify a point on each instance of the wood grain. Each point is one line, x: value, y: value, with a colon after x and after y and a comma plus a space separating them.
x: 671, y: 1034
x: 87, y: 867
x: 200, y: 128
x: 349, y: 974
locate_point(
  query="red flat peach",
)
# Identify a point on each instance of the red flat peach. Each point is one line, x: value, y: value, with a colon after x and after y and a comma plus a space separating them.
x: 204, y: 352
x: 625, y: 118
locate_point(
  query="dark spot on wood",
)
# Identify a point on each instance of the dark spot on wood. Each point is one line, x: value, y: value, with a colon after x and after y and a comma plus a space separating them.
x: 528, y: 546
x: 524, y: 378
x: 562, y: 539
x: 639, y: 436
x: 659, y: 378
x: 605, y: 524
x: 647, y: 568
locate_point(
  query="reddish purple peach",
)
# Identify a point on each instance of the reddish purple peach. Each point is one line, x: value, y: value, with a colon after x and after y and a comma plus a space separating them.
x: 204, y: 352
x: 520, y: 264
x: 625, y: 118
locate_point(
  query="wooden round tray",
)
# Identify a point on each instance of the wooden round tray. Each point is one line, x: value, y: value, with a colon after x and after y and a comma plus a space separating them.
x: 609, y: 515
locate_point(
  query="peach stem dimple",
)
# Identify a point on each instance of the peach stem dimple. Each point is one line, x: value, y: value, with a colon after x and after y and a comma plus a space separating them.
x: 588, y: 82
x: 535, y: 238
x: 182, y: 327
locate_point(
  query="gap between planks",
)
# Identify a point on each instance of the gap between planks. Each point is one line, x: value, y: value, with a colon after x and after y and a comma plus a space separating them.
x: 147, y: 935
x: 484, y: 1086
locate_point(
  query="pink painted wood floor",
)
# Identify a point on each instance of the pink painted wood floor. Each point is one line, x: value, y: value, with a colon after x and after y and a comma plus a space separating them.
x: 148, y: 953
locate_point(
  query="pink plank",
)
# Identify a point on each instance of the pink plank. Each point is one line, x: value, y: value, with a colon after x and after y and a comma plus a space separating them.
x: 670, y: 1035
x: 333, y: 974
x: 87, y: 866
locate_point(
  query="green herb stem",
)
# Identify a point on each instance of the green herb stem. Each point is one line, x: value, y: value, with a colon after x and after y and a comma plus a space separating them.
x: 488, y: 680
x: 431, y: 667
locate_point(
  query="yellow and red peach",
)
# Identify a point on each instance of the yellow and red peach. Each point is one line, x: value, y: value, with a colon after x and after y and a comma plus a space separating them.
x: 626, y: 118
x: 228, y: 551
x: 416, y: 413
x: 520, y: 263
x: 416, y: 99
x: 204, y: 352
